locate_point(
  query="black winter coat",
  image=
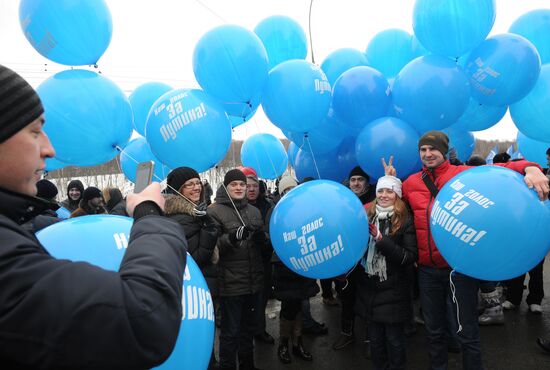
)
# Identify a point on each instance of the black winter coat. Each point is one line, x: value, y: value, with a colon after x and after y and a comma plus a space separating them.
x: 57, y: 314
x: 389, y: 301
x: 240, y: 269
x: 201, y: 237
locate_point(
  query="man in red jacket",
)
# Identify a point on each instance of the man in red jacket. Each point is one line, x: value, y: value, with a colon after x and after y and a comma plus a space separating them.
x: 433, y: 270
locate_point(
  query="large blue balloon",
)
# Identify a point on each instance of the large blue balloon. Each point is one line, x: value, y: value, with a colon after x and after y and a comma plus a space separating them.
x: 283, y: 38
x: 533, y: 150
x: 340, y: 61
x: 142, y: 99
x: 503, y: 69
x: 266, y: 155
x: 87, y: 116
x: 531, y: 113
x: 383, y: 138
x: 463, y: 142
x: 322, y: 138
x: 102, y: 241
x: 479, y: 117
x: 390, y: 50
x: 430, y: 93
x: 188, y: 128
x: 318, y: 165
x: 67, y: 32
x: 319, y: 239
x: 360, y: 95
x: 53, y: 164
x: 230, y: 63
x: 452, y: 27
x: 138, y: 151
x: 346, y: 158
x: 535, y: 27
x: 239, y: 113
x: 297, y: 96
x: 479, y: 222
x: 292, y: 152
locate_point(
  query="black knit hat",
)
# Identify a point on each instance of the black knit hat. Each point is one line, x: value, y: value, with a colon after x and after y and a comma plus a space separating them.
x: 177, y: 177
x: 46, y: 189
x: 91, y: 193
x: 234, y: 175
x: 19, y: 103
x: 437, y: 139
x: 358, y: 171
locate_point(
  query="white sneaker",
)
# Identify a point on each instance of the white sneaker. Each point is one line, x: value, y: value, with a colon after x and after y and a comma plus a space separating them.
x: 535, y: 308
x: 507, y: 305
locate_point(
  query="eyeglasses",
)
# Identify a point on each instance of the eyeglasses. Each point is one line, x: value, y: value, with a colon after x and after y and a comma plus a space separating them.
x: 190, y: 185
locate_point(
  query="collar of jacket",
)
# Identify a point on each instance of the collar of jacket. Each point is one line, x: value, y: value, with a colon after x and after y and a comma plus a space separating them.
x: 436, y: 172
x: 21, y: 208
x: 176, y: 204
x: 223, y: 198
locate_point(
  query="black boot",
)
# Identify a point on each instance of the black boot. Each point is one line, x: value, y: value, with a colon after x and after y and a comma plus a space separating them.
x: 283, y: 352
x: 300, y: 351
x: 247, y: 363
x: 346, y: 336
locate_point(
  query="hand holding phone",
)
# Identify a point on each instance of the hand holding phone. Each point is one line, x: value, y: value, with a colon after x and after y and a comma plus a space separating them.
x: 150, y: 193
x: 144, y: 176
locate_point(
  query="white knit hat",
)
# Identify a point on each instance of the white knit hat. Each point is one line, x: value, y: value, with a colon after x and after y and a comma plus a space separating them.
x: 286, y: 182
x: 390, y: 182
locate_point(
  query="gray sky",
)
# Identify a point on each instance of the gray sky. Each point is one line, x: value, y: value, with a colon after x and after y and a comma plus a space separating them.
x: 154, y: 40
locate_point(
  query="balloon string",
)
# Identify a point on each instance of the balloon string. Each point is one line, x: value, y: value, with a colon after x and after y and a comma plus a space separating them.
x: 310, y: 37
x: 266, y: 152
x: 211, y: 11
x: 313, y: 156
x: 455, y: 301
x: 233, y: 204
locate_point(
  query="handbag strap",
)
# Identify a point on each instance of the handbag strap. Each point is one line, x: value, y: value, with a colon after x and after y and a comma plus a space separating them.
x: 430, y: 184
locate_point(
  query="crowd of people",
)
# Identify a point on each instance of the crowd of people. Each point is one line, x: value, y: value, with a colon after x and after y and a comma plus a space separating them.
x: 139, y: 307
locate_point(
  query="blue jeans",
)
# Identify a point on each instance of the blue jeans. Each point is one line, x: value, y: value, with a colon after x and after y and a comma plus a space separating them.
x: 434, y: 291
x: 387, y: 346
x: 239, y: 320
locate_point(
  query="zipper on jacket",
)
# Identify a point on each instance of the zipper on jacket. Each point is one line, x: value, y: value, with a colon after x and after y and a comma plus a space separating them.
x: 428, y: 222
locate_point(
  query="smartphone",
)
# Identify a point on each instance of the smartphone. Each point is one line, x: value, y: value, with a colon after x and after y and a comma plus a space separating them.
x: 144, y: 175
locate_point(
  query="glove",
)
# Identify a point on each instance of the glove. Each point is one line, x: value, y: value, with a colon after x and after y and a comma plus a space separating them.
x: 375, y: 232
x: 200, y: 209
x: 259, y: 237
x: 240, y: 234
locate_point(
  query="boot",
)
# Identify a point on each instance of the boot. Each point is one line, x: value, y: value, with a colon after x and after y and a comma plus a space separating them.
x: 247, y: 363
x: 282, y: 352
x: 300, y: 351
x: 493, y: 314
x: 346, y: 336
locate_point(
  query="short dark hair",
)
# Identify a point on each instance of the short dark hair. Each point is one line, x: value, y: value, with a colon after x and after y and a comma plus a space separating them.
x: 501, y: 158
x: 476, y: 160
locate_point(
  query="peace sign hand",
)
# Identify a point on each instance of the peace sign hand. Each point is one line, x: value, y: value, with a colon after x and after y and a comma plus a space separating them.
x: 389, y: 170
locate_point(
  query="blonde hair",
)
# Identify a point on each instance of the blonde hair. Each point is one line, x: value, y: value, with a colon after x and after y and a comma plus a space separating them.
x: 400, y: 214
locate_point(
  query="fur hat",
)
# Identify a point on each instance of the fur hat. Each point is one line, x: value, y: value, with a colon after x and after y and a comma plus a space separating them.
x: 234, y: 175
x: 179, y: 176
x: 437, y: 139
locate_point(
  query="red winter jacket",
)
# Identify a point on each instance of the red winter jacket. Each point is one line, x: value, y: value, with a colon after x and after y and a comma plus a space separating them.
x: 421, y: 200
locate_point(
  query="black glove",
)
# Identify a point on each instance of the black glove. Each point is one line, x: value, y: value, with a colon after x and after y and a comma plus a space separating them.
x: 259, y: 237
x: 200, y: 209
x: 240, y: 234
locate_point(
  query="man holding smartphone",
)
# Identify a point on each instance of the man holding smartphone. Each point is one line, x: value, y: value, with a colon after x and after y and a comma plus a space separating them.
x: 57, y: 314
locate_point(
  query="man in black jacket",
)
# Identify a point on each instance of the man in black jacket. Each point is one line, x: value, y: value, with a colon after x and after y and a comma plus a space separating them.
x: 57, y: 314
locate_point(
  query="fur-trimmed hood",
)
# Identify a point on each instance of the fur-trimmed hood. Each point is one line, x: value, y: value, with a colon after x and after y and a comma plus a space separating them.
x: 176, y: 204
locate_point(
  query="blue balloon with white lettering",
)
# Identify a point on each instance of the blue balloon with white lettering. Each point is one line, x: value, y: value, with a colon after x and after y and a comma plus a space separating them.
x: 478, y: 117
x: 390, y: 50
x: 533, y: 150
x: 138, y: 151
x: 503, y: 69
x: 63, y: 213
x: 283, y: 38
x: 68, y: 32
x: 187, y: 127
x: 102, y: 241
x: 297, y: 96
x: 463, y: 142
x: 319, y: 229
x: 88, y: 117
x: 340, y: 61
x: 489, y: 225
x: 266, y: 154
x: 535, y: 27
x: 142, y: 99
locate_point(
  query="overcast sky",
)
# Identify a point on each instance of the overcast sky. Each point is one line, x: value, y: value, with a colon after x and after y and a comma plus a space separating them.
x: 153, y: 40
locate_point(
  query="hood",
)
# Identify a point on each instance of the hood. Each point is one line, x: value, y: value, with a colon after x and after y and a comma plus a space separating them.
x: 223, y: 198
x: 176, y: 204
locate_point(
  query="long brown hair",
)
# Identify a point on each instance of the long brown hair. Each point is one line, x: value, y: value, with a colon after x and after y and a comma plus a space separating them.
x: 400, y: 214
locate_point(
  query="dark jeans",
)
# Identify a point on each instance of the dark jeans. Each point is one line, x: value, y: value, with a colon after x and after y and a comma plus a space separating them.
x: 238, y: 322
x: 434, y: 292
x: 290, y: 308
x: 536, y: 287
x: 387, y: 346
x: 326, y: 288
x: 348, y: 295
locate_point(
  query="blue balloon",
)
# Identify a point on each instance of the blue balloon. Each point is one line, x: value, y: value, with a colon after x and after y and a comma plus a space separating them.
x: 531, y: 113
x: 266, y: 155
x: 53, y: 164
x: 188, y: 128
x: 479, y: 117
x: 452, y: 27
x: 63, y: 213
x: 430, y: 93
x: 317, y: 165
x: 533, y: 150
x: 230, y: 63
x: 383, y: 138
x: 142, y: 99
x: 360, y: 95
x: 138, y: 151
x: 463, y: 142
x: 297, y: 96
x: 481, y: 233
x: 340, y: 61
x: 535, y: 27
x: 503, y: 69
x: 87, y: 117
x: 283, y: 38
x: 319, y: 239
x: 292, y: 152
x: 66, y: 32
x: 239, y: 113
x: 346, y: 157
x: 102, y: 241
x: 390, y: 50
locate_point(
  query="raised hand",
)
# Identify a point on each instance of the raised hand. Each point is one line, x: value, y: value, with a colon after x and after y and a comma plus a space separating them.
x: 389, y: 170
